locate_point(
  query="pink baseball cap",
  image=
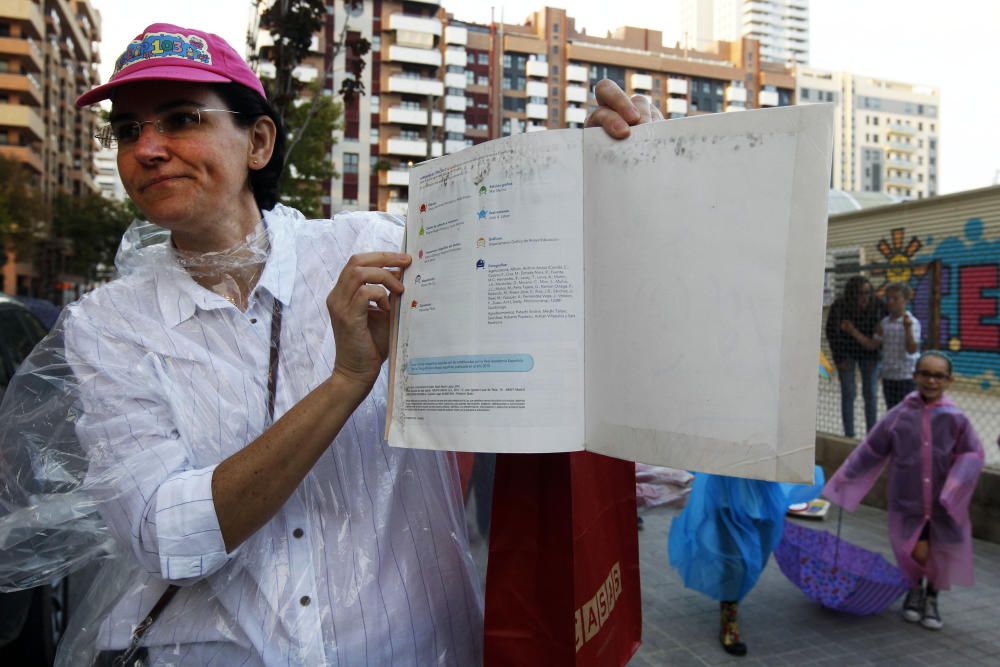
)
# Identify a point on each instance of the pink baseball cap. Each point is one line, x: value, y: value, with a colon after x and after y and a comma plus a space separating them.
x: 166, y: 52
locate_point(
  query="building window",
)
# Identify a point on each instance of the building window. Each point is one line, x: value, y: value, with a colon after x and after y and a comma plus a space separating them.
x: 555, y: 49
x: 373, y: 103
x: 555, y: 27
x: 484, y: 58
x: 376, y: 43
x: 350, y: 163
x: 373, y: 136
x: 506, y: 60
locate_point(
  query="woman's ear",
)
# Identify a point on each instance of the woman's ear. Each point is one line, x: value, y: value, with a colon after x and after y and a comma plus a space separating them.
x: 262, y: 136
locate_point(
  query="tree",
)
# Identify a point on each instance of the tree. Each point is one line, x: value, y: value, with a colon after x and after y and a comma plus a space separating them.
x: 311, y: 114
x: 22, y: 211
x: 92, y: 227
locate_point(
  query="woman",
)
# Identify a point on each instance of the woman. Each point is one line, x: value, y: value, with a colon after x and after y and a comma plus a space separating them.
x: 850, y: 328
x: 221, y: 406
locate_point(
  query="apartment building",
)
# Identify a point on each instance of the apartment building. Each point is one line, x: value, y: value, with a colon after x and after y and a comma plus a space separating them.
x: 436, y: 84
x: 48, y: 56
x: 887, y: 133
x: 781, y: 26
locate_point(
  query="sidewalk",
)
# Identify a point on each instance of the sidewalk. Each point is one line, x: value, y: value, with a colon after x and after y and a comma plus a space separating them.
x: 783, y: 627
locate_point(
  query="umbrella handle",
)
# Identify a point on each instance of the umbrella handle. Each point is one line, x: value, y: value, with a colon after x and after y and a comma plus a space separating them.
x: 840, y: 522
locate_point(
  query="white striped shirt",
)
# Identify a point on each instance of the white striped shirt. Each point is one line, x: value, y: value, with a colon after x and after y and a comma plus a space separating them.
x: 897, y: 363
x: 366, y: 564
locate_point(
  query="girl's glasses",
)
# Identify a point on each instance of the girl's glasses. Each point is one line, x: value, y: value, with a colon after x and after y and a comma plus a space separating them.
x: 932, y: 375
x: 171, y: 124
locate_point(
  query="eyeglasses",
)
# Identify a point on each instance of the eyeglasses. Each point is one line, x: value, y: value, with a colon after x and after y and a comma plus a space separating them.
x: 171, y: 124
x: 933, y: 375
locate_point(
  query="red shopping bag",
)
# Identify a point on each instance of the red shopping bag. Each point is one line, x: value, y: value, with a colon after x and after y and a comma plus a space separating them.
x: 562, y: 582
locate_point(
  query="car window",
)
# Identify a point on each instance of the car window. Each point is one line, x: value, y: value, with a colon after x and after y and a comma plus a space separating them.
x: 19, y: 333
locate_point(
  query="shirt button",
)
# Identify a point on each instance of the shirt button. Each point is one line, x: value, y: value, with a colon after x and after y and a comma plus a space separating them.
x: 253, y: 320
x: 297, y: 533
x: 927, y: 480
x: 305, y: 600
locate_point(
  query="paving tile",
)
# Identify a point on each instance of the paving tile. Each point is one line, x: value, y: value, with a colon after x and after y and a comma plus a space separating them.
x: 782, y: 627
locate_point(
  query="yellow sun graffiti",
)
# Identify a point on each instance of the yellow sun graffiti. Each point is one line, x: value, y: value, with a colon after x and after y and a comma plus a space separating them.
x: 900, y: 259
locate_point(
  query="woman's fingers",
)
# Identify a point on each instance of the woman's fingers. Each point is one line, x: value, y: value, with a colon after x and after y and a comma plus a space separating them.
x: 616, y: 111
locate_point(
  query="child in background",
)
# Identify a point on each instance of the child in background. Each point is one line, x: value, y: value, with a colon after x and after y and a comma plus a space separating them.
x: 934, y: 458
x: 898, y: 334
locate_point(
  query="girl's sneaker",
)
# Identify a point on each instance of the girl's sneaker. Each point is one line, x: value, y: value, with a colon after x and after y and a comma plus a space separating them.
x: 931, y: 619
x: 913, y: 605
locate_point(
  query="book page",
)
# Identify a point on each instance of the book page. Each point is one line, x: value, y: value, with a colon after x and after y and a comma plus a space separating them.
x: 488, y: 353
x: 704, y: 250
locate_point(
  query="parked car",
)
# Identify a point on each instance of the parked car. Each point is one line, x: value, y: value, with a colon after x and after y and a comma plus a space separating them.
x: 32, y: 621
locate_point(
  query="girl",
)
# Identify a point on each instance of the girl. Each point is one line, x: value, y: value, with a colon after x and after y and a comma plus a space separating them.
x: 934, y: 458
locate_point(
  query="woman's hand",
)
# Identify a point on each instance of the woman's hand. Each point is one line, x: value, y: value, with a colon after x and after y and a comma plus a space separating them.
x: 616, y: 112
x: 359, y: 312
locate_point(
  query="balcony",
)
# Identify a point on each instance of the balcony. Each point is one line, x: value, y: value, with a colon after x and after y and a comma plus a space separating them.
x: 305, y: 73
x: 767, y: 98
x: 456, y: 57
x: 397, y: 207
x: 736, y: 94
x: 24, y: 117
x: 641, y: 82
x: 456, y: 35
x: 455, y: 124
x: 454, y: 103
x: 395, y: 177
x: 536, y: 89
x: 411, y: 147
x: 537, y: 68
x: 23, y: 154
x: 535, y: 127
x: 28, y: 12
x: 901, y: 130
x: 677, y: 105
x: 737, y: 106
x: 576, y: 73
x: 899, y: 180
x: 30, y: 55
x: 677, y: 86
x: 455, y: 80
x: 405, y: 116
x: 900, y: 165
x: 575, y: 115
x: 408, y: 23
x: 26, y: 85
x: 576, y: 94
x: 901, y: 146
x: 537, y: 111
x: 408, y: 54
x: 454, y: 145
x: 415, y: 85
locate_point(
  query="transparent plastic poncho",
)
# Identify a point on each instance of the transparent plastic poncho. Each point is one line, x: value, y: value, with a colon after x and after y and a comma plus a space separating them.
x: 112, y: 427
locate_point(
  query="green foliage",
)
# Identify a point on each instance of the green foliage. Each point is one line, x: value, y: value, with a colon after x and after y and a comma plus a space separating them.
x: 93, y: 226
x: 304, y: 184
x: 311, y: 116
x: 22, y: 210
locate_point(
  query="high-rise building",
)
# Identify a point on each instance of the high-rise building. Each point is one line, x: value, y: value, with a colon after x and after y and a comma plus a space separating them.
x: 436, y: 84
x: 781, y: 26
x: 887, y: 133
x: 48, y: 57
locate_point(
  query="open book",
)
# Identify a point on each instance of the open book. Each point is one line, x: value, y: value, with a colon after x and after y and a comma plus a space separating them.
x: 656, y: 299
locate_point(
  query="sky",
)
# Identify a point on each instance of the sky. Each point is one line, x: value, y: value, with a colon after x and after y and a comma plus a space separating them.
x: 952, y: 45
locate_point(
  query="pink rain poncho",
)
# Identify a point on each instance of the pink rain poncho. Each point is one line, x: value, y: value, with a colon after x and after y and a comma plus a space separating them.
x: 934, y: 458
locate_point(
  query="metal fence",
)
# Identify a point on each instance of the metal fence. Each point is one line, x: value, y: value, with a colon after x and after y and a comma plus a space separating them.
x: 976, y: 389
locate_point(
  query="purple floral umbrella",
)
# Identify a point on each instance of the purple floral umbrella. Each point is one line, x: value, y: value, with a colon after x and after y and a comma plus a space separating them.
x: 836, y: 573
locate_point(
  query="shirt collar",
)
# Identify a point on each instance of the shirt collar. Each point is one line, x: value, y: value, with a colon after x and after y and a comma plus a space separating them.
x: 178, y: 295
